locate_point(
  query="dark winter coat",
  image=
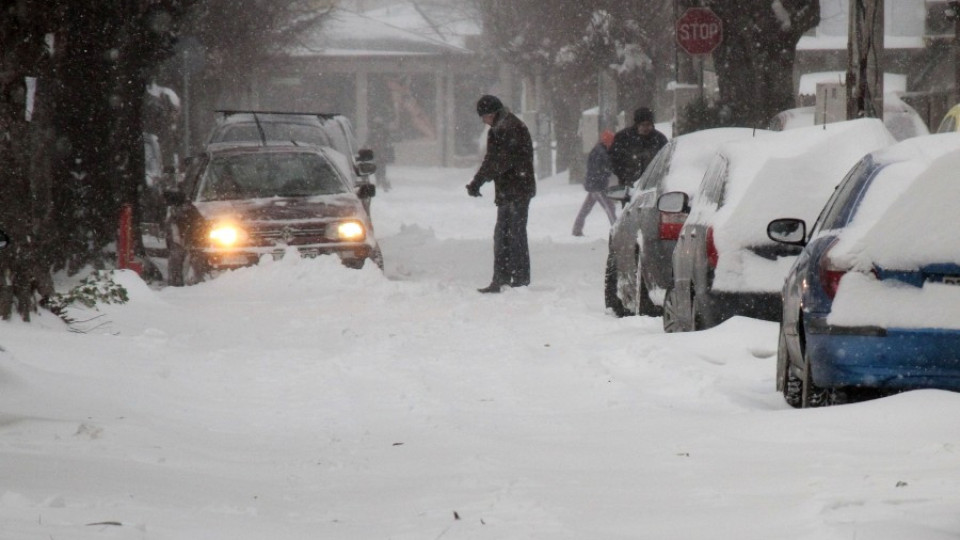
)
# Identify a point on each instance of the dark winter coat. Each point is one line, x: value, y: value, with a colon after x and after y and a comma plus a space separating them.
x: 508, y: 161
x: 631, y: 152
x: 599, y: 169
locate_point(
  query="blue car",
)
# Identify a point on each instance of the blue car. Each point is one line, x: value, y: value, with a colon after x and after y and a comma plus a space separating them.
x: 872, y: 304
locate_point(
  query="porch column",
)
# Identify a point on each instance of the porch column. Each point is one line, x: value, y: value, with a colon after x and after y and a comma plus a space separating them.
x: 363, y: 107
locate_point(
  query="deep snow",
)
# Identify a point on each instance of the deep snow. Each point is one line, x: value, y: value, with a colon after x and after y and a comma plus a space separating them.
x: 303, y: 400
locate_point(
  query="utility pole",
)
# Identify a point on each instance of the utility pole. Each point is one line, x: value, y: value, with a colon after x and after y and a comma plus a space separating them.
x: 864, y: 59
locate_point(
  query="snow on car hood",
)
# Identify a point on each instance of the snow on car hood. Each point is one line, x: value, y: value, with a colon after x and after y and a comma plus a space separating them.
x: 287, y: 209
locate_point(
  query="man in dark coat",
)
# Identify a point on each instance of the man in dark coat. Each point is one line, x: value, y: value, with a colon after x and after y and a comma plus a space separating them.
x: 634, y: 147
x: 509, y: 164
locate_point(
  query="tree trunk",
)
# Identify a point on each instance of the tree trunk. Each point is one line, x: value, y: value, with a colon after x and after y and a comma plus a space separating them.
x: 755, y: 61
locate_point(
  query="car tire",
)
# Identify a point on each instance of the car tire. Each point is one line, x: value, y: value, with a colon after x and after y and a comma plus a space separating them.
x: 645, y: 306
x: 787, y: 382
x: 672, y: 318
x: 812, y: 395
x: 610, y: 298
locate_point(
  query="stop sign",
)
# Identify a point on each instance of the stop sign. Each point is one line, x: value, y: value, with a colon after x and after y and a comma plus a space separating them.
x: 699, y: 31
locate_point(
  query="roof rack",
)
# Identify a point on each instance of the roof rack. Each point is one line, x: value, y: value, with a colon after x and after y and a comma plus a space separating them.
x: 229, y: 112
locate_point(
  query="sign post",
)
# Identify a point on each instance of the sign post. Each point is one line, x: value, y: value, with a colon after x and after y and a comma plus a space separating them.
x: 698, y: 32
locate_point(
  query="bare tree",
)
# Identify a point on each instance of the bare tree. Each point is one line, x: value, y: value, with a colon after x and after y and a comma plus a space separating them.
x: 72, y: 82
x: 572, y: 43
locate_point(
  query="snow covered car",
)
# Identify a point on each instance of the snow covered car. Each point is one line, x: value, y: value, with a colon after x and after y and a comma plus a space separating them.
x: 642, y: 239
x: 900, y: 118
x: 724, y: 264
x: 873, y: 302
x: 239, y: 203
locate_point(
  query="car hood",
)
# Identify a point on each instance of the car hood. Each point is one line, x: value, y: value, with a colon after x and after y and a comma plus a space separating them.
x: 284, y: 208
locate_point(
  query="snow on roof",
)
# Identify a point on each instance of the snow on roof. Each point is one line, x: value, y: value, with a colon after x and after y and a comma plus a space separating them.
x: 789, y: 174
x: 446, y: 25
x: 345, y: 33
x: 694, y: 152
x: 915, y: 197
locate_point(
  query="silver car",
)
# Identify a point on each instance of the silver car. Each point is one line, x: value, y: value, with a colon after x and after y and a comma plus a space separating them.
x: 642, y: 239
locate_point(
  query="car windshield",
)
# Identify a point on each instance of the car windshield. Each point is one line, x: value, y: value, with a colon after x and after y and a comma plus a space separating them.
x: 269, y: 174
x: 274, y: 131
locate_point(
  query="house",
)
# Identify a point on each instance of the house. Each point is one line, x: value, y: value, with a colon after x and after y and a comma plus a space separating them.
x: 918, y: 46
x: 382, y: 72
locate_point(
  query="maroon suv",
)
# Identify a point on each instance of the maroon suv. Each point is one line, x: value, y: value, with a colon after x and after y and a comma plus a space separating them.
x: 239, y: 203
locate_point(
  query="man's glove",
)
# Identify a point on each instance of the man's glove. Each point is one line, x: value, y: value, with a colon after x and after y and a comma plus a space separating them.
x: 473, y: 191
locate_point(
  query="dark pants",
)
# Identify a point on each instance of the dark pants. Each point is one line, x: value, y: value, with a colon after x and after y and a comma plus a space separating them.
x: 511, y: 255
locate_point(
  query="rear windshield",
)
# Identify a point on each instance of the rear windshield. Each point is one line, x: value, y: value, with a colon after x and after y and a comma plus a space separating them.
x: 269, y: 174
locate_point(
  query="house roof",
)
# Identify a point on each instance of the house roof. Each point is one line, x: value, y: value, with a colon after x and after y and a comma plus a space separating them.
x: 344, y: 33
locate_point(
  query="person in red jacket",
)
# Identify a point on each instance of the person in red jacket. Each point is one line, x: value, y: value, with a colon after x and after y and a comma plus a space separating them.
x: 599, y: 172
x: 508, y: 163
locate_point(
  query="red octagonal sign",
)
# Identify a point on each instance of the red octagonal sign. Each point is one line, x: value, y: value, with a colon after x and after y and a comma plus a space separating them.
x: 699, y: 31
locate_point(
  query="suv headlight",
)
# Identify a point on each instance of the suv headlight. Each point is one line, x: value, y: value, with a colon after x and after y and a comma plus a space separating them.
x: 351, y: 231
x: 226, y: 235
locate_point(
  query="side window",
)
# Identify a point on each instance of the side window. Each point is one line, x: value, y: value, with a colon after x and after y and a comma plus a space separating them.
x: 840, y: 206
x: 714, y: 180
x: 658, y: 168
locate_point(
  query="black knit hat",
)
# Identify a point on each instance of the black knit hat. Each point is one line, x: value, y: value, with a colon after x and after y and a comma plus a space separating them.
x: 488, y: 105
x: 642, y: 114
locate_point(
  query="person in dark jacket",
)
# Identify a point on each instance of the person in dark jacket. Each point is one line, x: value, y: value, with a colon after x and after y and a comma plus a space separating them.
x: 599, y: 171
x: 508, y: 162
x: 634, y: 147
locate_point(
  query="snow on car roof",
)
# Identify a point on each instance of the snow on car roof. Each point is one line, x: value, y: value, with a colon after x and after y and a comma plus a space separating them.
x: 693, y: 154
x: 789, y: 174
x: 907, y: 218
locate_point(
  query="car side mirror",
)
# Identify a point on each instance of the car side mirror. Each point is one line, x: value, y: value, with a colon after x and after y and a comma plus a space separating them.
x: 788, y: 231
x: 174, y: 198
x: 674, y: 202
x: 364, y: 154
x: 366, y: 191
x: 365, y: 168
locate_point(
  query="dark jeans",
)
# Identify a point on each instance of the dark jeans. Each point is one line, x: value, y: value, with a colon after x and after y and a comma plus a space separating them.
x: 511, y: 254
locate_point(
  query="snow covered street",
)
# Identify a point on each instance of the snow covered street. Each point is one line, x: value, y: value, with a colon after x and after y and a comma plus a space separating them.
x: 301, y: 400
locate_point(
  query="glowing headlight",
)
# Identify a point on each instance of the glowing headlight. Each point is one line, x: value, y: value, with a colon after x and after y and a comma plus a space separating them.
x: 226, y: 235
x: 350, y: 230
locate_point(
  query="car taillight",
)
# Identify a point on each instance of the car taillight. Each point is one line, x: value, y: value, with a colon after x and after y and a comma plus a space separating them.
x: 712, y: 254
x: 830, y: 274
x: 670, y: 224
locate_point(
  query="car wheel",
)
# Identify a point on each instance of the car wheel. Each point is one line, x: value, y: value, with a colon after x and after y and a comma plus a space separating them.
x: 701, y: 315
x: 645, y: 306
x: 610, y: 298
x: 787, y: 382
x: 812, y: 395
x: 672, y: 318
x: 377, y: 258
x: 194, y: 269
